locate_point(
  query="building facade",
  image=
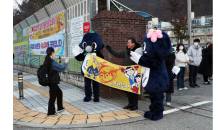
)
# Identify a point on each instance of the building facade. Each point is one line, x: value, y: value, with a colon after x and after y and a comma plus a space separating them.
x: 202, y: 28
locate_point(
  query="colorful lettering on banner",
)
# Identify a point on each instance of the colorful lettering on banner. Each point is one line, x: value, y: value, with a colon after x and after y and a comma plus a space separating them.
x: 21, y: 48
x: 48, y: 27
x: 38, y: 47
x: 126, y: 78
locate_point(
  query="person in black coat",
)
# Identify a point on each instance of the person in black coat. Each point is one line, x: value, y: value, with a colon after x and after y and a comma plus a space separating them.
x: 131, y: 46
x: 169, y: 62
x: 206, y: 66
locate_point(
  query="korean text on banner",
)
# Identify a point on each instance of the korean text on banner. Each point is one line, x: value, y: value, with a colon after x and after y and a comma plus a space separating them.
x: 39, y: 47
x: 48, y: 27
x: 126, y: 78
x: 21, y: 48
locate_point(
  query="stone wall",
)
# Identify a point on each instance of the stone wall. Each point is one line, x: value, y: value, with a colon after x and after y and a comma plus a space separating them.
x: 75, y: 79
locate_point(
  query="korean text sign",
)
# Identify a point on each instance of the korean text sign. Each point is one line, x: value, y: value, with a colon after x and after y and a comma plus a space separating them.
x: 21, y: 48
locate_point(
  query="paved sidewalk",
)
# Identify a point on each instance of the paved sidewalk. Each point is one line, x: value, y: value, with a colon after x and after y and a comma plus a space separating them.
x: 32, y: 111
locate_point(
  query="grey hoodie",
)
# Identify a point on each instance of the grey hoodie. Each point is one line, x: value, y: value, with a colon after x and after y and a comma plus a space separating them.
x: 195, y: 55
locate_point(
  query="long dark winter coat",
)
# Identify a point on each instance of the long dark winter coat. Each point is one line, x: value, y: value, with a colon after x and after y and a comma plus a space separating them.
x: 206, y: 66
x: 169, y: 62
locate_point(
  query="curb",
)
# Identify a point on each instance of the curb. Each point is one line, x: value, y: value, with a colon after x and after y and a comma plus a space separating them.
x: 117, y: 122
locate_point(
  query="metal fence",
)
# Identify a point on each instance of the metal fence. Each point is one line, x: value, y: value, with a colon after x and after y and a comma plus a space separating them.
x: 73, y: 9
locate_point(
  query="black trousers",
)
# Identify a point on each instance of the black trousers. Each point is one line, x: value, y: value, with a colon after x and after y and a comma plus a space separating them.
x: 54, y: 92
x: 193, y: 71
x: 132, y: 98
x: 205, y: 78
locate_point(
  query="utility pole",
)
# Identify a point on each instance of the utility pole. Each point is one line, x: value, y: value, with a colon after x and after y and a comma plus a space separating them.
x: 108, y: 5
x: 189, y: 21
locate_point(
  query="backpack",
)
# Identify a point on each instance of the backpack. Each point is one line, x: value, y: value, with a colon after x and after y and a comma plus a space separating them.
x: 42, y: 74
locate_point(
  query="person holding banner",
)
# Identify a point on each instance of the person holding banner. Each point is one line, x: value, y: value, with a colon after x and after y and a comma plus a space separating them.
x: 132, y: 45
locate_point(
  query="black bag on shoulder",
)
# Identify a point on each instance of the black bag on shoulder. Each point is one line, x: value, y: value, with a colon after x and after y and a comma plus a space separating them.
x: 42, y: 74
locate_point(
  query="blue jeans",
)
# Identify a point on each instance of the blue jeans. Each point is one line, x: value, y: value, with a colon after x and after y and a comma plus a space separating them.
x: 193, y: 70
x: 168, y: 97
x: 180, y: 78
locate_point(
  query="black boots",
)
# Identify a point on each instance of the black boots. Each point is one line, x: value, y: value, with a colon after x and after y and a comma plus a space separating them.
x: 132, y: 108
x: 127, y: 107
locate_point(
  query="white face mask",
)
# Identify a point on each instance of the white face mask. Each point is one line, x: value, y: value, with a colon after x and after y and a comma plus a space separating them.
x: 181, y: 48
x: 196, y: 44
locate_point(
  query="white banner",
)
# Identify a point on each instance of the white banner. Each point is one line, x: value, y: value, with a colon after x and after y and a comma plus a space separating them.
x: 38, y: 47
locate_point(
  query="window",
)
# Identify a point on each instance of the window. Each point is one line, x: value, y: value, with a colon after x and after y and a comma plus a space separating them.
x: 210, y: 38
x: 208, y: 20
x: 199, y: 30
x: 210, y: 30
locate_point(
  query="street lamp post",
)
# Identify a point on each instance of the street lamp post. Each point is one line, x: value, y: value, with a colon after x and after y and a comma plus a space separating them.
x: 189, y: 21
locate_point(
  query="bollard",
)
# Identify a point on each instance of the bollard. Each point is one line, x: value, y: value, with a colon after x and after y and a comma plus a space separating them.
x: 20, y: 85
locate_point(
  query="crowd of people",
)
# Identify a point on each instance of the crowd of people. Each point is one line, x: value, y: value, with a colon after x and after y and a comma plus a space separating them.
x: 198, y: 60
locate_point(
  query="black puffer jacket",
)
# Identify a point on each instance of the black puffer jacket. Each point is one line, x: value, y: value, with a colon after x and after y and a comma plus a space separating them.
x: 125, y: 54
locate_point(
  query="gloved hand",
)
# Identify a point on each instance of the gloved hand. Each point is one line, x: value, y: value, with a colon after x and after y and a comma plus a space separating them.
x: 108, y: 48
x: 135, y: 57
x: 76, y: 50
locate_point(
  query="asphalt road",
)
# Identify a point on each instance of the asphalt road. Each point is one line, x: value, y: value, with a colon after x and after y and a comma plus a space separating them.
x: 197, y: 118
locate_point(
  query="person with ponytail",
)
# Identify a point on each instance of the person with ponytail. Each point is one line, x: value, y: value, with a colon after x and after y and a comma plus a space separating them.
x: 54, y: 79
x: 181, y: 61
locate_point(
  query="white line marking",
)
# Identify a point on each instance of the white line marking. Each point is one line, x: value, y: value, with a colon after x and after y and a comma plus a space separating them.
x: 185, y: 107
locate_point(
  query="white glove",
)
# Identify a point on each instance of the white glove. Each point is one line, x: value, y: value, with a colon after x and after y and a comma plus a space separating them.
x: 139, y: 51
x: 135, y: 57
x: 175, y: 70
x: 76, y: 50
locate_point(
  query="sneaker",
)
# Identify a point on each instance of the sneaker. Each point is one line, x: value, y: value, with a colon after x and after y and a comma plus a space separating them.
x: 168, y: 104
x: 192, y: 86
x: 196, y: 85
x: 185, y: 88
x: 59, y: 111
x: 52, y: 115
x: 180, y: 88
x: 207, y: 83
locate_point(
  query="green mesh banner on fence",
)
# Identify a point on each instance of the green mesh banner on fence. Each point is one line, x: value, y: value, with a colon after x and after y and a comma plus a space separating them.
x: 19, y: 40
x: 26, y: 59
x: 15, y: 59
x: 34, y: 61
x: 25, y: 38
x: 14, y: 41
x: 42, y: 58
x: 74, y: 65
x: 20, y: 60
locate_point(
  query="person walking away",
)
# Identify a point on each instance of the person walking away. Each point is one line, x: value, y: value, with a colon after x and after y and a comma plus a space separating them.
x: 54, y: 78
x: 206, y: 66
x: 169, y: 62
x: 195, y: 56
x: 131, y: 46
x: 181, y: 60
